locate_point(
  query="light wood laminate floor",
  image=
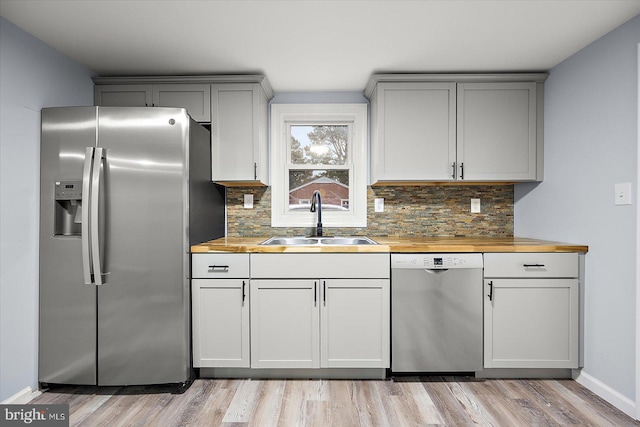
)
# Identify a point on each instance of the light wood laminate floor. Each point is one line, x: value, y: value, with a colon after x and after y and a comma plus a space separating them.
x: 451, y: 401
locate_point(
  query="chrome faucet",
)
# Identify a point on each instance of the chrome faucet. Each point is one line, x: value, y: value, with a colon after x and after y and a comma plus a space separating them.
x: 314, y: 197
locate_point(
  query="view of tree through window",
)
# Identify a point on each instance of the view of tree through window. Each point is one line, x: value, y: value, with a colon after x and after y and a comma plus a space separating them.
x: 323, y: 146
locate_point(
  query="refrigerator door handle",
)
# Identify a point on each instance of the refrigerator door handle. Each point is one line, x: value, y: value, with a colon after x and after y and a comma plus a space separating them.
x: 95, y: 223
x: 87, y: 267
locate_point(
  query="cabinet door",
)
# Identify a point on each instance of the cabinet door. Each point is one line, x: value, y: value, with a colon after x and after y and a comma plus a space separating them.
x: 123, y: 95
x: 531, y: 323
x: 355, y: 323
x: 238, y: 133
x: 415, y: 139
x: 496, y: 131
x: 196, y: 98
x: 285, y: 324
x: 220, y: 323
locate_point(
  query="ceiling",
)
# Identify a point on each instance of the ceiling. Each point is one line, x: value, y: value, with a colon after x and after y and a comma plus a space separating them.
x: 317, y: 45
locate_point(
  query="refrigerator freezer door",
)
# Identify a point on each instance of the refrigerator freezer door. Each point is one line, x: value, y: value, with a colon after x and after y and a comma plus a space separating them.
x: 67, y: 338
x: 143, y: 305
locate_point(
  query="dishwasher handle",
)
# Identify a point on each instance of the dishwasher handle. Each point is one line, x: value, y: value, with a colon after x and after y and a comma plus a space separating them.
x: 436, y: 270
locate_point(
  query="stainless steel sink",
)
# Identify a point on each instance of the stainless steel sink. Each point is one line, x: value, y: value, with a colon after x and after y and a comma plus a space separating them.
x: 290, y: 241
x: 347, y: 241
x: 311, y: 241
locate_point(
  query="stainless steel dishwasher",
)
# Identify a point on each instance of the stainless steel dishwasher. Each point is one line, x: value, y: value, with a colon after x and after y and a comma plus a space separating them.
x: 436, y: 312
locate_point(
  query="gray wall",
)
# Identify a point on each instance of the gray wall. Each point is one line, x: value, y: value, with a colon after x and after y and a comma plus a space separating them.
x: 32, y: 76
x: 590, y: 144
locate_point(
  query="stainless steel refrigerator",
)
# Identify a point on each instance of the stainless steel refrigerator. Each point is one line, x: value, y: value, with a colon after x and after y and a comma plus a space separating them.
x: 124, y: 193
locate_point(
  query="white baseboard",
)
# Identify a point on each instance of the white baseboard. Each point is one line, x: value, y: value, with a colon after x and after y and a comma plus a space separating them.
x: 22, y: 397
x: 621, y: 402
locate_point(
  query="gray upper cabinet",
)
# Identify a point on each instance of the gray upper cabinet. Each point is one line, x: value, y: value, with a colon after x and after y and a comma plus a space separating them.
x: 239, y: 141
x: 456, y: 128
x: 413, y: 136
x: 195, y: 98
x: 235, y: 105
x: 116, y: 95
x: 496, y: 131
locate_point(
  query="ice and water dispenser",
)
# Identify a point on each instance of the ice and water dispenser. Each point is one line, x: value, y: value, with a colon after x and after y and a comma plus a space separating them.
x: 68, y: 208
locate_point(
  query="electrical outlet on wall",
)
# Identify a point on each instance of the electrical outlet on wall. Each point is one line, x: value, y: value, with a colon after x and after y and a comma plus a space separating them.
x: 378, y: 205
x: 475, y: 205
x: 248, y: 201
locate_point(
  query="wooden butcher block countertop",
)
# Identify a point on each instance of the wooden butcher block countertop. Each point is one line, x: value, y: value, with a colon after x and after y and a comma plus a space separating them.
x: 396, y: 244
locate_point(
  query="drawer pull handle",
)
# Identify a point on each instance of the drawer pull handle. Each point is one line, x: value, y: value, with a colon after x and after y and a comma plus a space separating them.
x: 218, y: 268
x: 533, y: 265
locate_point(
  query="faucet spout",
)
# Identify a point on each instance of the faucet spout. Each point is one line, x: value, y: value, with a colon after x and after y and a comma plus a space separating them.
x: 316, y: 198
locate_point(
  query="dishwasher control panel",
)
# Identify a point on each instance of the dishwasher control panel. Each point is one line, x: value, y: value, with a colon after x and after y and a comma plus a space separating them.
x: 436, y: 261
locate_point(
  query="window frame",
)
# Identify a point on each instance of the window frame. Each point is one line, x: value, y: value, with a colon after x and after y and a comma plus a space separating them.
x: 285, y: 115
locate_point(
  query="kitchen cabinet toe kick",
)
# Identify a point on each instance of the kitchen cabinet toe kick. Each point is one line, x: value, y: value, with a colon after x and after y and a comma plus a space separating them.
x: 289, y: 373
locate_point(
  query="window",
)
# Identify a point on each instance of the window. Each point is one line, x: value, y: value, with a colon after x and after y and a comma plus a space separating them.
x: 319, y: 147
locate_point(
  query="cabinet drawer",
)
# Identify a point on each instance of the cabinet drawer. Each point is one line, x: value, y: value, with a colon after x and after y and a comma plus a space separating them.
x: 530, y: 265
x: 320, y: 266
x: 219, y: 266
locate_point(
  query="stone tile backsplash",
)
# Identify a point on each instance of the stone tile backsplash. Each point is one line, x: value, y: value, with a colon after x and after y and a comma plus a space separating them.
x: 408, y: 211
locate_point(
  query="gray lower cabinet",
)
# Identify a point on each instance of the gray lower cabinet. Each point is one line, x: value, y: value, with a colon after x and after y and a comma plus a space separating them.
x: 285, y: 324
x: 531, y: 310
x: 220, y: 310
x: 354, y: 323
x: 331, y: 323
x: 341, y: 321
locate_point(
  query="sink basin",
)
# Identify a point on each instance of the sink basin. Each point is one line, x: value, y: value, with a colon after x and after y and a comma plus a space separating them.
x: 290, y: 241
x: 347, y: 241
x: 310, y: 241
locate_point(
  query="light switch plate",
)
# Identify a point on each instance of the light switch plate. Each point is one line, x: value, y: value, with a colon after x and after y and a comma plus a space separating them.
x: 475, y: 205
x: 378, y: 205
x: 248, y: 201
x: 623, y: 193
